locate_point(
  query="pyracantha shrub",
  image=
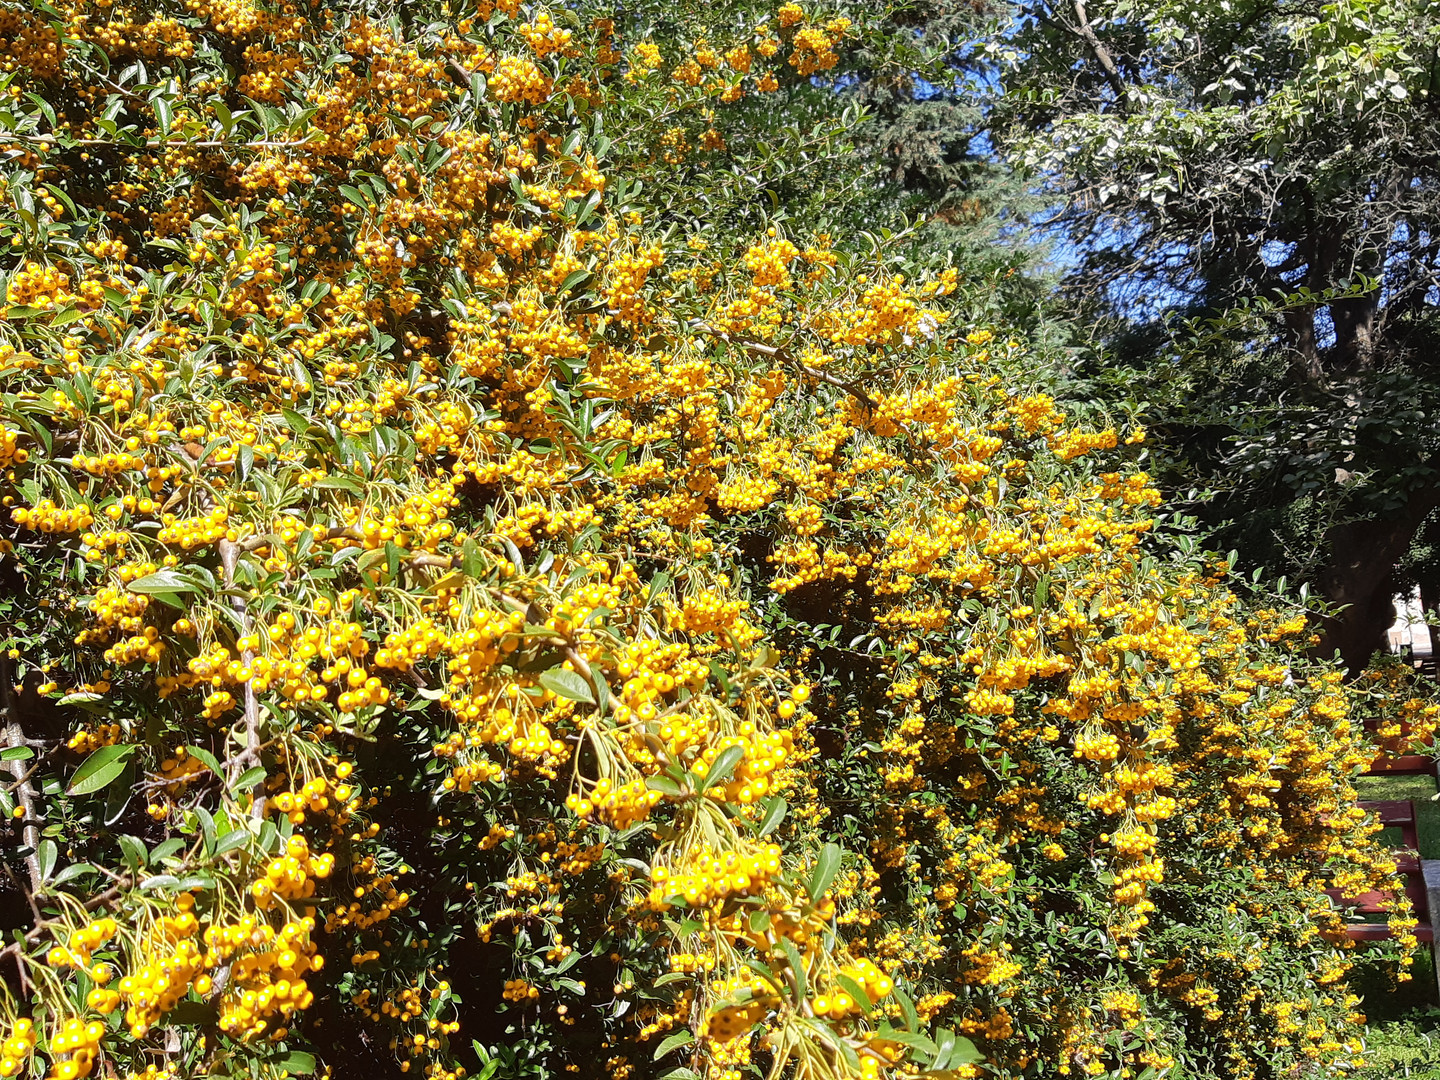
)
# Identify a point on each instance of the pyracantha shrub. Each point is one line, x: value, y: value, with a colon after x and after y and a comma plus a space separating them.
x: 456, y: 624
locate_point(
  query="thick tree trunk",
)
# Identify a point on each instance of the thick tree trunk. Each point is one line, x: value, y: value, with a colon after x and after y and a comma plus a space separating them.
x: 1430, y: 606
x: 1363, y: 555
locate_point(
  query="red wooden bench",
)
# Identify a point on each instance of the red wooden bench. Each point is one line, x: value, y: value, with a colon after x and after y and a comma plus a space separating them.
x: 1398, y: 814
x: 1404, y: 765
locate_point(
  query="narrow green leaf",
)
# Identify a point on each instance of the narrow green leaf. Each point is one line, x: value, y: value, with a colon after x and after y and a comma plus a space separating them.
x: 49, y: 855
x: 163, y: 581
x: 826, y: 866
x: 207, y: 828
x: 856, y: 991
x: 205, y: 758
x: 907, y: 1009
x: 792, y: 955
x: 663, y: 784
x: 774, y: 814
x: 100, y: 769
x: 567, y: 684
x: 296, y: 1062
x: 133, y: 850
x: 673, y: 1042
x: 723, y: 766
x: 248, y: 779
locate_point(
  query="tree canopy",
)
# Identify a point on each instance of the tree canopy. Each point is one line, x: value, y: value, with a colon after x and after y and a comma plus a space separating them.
x: 1269, y: 174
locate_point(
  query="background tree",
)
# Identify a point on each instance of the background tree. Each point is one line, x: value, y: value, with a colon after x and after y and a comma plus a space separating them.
x: 1273, y: 170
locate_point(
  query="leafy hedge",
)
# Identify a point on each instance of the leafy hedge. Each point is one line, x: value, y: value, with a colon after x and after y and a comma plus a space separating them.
x: 454, y: 620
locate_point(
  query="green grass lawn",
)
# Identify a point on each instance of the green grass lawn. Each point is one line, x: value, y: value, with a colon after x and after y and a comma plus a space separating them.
x: 1420, y: 789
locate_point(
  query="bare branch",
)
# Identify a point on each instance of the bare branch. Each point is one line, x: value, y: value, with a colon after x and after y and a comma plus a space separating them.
x: 24, y: 790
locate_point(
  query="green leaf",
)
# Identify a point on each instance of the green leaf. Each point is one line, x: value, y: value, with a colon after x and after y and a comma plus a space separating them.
x: 49, y: 855
x: 81, y: 698
x: 248, y: 779
x: 205, y: 758
x: 723, y: 766
x: 133, y: 850
x: 166, y: 848
x: 673, y: 1042
x: 907, y: 1038
x: 965, y: 1053
x: 167, y: 586
x: 856, y: 991
x: 100, y: 769
x: 663, y: 784
x: 73, y: 871
x: 339, y: 483
x: 944, y: 1044
x: 235, y: 838
x: 907, y: 1009
x: 16, y: 753
x: 826, y: 866
x: 567, y: 684
x: 573, y: 279
x: 798, y: 967
x: 296, y: 1062
x: 774, y: 814
x: 207, y: 828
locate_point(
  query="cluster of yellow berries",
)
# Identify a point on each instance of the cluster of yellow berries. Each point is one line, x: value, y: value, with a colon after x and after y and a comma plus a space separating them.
x: 103, y: 735
x: 15, y: 1051
x: 1097, y: 746
x: 620, y: 806
x: 39, y: 286
x: 82, y: 943
x: 293, y: 876
x: 107, y: 464
x: 315, y: 796
x: 267, y: 974
x: 712, y: 877
x: 158, y: 985
x: 749, y: 780
x: 74, y: 1047
x: 838, y: 1004
x: 11, y: 453
x: 46, y: 517
x: 518, y: 990
x: 189, y: 534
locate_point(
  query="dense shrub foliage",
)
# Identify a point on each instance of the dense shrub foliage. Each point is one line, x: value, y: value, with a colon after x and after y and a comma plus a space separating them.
x: 456, y: 622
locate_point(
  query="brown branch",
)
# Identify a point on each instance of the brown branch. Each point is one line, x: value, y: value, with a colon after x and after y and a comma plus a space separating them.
x: 775, y: 352
x: 54, y: 142
x: 1102, y: 54
x: 25, y: 791
x: 250, y: 755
